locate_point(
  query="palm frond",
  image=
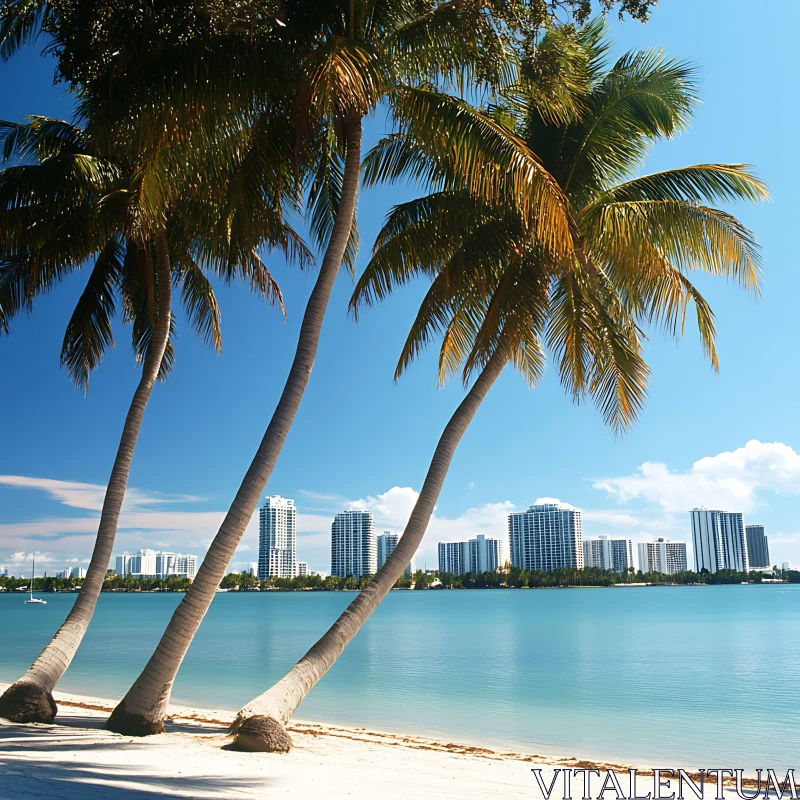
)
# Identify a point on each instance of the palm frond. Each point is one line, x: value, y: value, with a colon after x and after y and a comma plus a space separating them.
x: 200, y: 302
x: 478, y: 155
x: 700, y: 183
x: 88, y: 333
x: 687, y: 236
x: 22, y: 22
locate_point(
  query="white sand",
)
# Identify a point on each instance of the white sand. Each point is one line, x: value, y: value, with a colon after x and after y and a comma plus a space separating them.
x: 77, y: 759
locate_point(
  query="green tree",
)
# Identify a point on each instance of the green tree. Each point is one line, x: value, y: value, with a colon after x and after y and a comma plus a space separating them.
x: 114, y: 193
x: 510, y: 276
x: 347, y: 56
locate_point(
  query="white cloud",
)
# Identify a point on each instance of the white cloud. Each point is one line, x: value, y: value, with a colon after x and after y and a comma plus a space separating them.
x: 88, y: 495
x: 146, y: 521
x: 734, y: 480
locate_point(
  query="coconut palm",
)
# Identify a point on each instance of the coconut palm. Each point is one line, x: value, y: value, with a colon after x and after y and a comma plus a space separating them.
x: 501, y: 294
x: 348, y: 56
x: 63, y: 209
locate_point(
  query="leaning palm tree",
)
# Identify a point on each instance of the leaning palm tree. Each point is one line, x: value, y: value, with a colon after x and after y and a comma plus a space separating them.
x: 501, y: 294
x: 348, y: 56
x: 63, y: 208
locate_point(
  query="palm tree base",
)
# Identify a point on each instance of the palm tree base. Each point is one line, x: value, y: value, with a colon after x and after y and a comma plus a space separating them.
x: 25, y: 701
x: 261, y: 735
x: 128, y: 724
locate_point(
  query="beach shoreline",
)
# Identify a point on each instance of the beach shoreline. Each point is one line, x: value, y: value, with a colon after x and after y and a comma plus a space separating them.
x: 75, y: 754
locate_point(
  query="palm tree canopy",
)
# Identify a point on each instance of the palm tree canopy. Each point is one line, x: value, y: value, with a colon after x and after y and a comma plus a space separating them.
x: 631, y: 240
x: 62, y: 207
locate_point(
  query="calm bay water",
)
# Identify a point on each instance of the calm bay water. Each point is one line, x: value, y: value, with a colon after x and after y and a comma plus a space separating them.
x: 694, y: 676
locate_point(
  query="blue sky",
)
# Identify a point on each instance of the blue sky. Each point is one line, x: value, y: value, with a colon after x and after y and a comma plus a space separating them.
x: 361, y: 439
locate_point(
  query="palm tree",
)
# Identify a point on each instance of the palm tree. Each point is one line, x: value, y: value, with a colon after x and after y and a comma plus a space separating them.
x: 501, y: 294
x: 349, y: 56
x: 62, y: 207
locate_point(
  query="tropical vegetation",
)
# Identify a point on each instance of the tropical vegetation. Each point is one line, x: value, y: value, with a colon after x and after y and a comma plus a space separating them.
x: 198, y: 133
x: 102, y: 193
x: 565, y: 249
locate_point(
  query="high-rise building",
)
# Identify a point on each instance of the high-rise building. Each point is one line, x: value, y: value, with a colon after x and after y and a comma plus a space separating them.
x: 156, y: 564
x: 719, y: 540
x: 757, y: 546
x: 185, y: 565
x: 302, y: 569
x: 485, y: 555
x: 454, y: 557
x: 607, y: 553
x: 354, y: 547
x: 123, y: 565
x: 277, y: 539
x: 476, y: 555
x: 71, y: 572
x: 662, y: 556
x: 143, y: 564
x: 546, y: 537
x: 387, y: 542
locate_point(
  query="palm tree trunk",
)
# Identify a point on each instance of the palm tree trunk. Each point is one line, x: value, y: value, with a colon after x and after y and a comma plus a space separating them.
x: 142, y: 710
x: 260, y: 725
x: 30, y: 699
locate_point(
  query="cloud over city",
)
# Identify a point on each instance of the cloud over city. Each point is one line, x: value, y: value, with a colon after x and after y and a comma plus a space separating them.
x: 652, y: 500
x: 737, y: 480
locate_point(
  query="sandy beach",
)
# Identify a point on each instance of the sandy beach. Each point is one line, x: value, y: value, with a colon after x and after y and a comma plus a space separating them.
x: 77, y: 758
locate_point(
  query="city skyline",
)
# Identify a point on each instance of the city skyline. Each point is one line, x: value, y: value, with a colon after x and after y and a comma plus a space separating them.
x: 390, y: 510
x: 651, y: 466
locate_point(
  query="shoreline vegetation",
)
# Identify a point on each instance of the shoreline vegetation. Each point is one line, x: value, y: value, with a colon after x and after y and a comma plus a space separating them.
x: 430, y: 580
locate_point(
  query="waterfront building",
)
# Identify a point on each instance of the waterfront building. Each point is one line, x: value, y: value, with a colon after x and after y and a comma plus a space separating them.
x: 277, y: 539
x: 607, y: 553
x: 546, y: 537
x: 302, y: 569
x: 662, y: 555
x: 480, y: 554
x: 143, y: 564
x: 354, y: 547
x: 72, y: 572
x: 757, y: 546
x: 387, y: 542
x: 719, y: 540
x: 485, y: 555
x: 253, y: 569
x: 454, y: 557
x: 185, y: 566
x: 156, y: 564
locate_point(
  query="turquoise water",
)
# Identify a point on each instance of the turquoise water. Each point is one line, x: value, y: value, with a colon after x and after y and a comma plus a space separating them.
x: 703, y: 676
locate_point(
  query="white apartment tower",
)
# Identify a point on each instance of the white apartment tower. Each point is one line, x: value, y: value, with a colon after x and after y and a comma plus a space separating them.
x: 485, y: 555
x: 156, y: 564
x: 277, y: 539
x: 476, y: 555
x: 546, y: 537
x: 387, y: 542
x: 354, y: 547
x: 454, y: 557
x: 607, y: 553
x: 719, y: 540
x: 662, y: 556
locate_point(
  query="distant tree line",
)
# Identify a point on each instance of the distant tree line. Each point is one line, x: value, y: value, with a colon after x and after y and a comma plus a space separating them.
x: 512, y: 578
x: 112, y: 583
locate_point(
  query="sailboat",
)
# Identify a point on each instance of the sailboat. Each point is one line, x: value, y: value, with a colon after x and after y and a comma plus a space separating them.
x: 33, y: 599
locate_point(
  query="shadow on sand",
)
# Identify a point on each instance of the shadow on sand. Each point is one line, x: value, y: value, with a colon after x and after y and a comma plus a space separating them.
x: 23, y: 774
